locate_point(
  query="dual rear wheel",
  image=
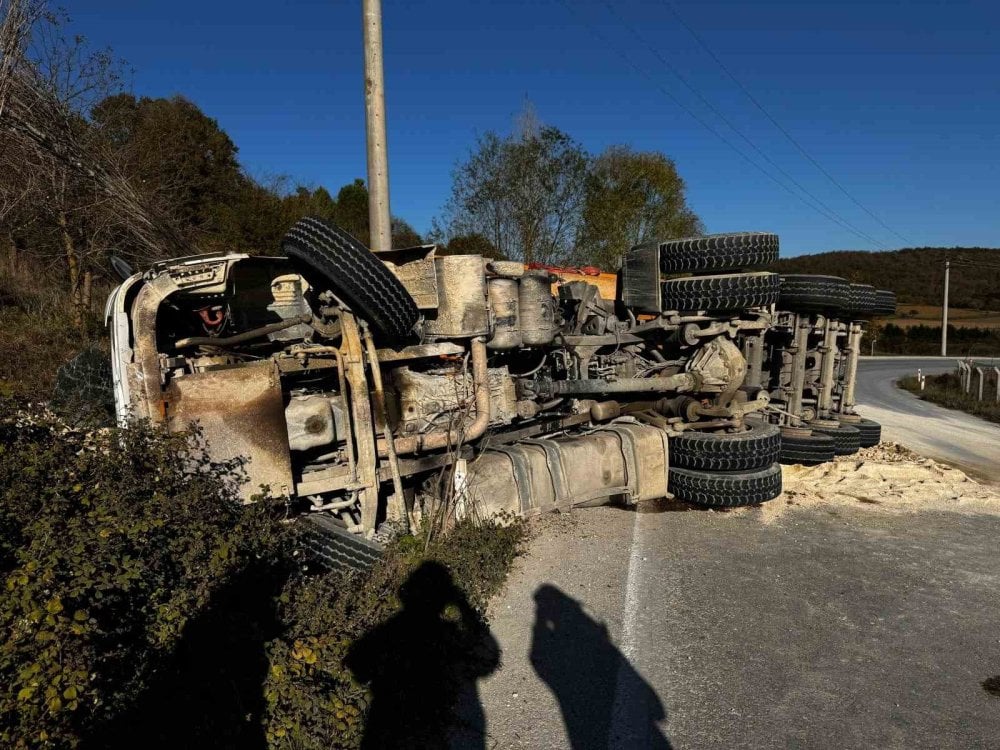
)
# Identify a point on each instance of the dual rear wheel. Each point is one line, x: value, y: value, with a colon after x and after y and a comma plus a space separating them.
x: 726, y: 470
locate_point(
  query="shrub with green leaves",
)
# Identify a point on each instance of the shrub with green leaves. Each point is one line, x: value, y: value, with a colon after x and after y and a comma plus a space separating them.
x: 312, y: 698
x: 112, y: 541
x: 142, y: 605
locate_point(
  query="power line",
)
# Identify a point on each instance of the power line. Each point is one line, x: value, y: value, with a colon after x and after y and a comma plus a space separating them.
x: 767, y: 114
x: 701, y: 121
x: 732, y: 126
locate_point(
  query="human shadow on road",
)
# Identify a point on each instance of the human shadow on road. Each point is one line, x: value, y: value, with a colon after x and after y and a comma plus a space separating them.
x: 423, y: 664
x: 604, y: 701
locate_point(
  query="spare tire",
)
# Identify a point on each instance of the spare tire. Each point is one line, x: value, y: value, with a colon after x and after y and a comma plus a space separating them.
x: 862, y: 301
x: 725, y: 489
x: 885, y: 302
x: 730, y: 293
x: 846, y: 438
x: 327, y: 255
x: 755, y: 448
x: 807, y: 450
x: 718, y: 252
x: 808, y: 293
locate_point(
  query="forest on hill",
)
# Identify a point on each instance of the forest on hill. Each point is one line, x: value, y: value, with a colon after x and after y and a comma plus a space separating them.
x: 915, y: 274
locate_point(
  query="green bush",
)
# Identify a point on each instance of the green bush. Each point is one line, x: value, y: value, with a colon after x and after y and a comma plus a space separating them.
x: 144, y: 607
x: 112, y: 542
x: 312, y: 698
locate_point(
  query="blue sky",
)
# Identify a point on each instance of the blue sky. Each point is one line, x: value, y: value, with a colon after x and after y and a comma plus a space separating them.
x: 899, y: 101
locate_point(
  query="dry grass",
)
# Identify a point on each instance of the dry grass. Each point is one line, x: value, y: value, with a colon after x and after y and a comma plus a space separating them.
x: 37, y: 334
x: 908, y: 315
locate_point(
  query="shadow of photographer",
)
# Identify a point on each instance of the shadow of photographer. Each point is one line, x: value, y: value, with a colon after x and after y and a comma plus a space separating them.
x: 423, y: 664
x: 605, y: 702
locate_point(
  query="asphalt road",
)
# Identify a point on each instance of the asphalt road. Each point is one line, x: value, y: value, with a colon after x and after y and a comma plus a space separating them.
x: 970, y: 443
x: 825, y: 626
x: 832, y: 627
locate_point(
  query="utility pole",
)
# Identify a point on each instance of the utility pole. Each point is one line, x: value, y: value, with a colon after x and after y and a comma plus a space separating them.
x: 379, y: 216
x: 944, y: 311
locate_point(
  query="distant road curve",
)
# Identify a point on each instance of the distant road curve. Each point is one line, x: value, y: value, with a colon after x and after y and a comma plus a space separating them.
x: 956, y: 438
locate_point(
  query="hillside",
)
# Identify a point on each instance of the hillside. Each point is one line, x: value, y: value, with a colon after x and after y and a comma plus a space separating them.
x: 915, y: 274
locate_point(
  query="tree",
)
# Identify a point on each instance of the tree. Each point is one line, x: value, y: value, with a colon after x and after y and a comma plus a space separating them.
x: 632, y: 197
x: 49, y: 81
x: 523, y: 193
x: 351, y: 214
x: 471, y: 244
x: 174, y: 147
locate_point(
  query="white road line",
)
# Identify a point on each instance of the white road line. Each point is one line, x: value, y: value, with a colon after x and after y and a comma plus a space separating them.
x: 623, y: 712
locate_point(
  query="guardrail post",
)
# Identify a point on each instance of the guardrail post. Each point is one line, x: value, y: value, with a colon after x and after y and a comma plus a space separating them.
x: 982, y: 379
x: 997, y: 371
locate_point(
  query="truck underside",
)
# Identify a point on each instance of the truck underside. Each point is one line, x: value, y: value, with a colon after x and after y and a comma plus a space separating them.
x: 371, y: 390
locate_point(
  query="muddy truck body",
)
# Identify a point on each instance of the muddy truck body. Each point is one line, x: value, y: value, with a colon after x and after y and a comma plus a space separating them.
x: 369, y: 389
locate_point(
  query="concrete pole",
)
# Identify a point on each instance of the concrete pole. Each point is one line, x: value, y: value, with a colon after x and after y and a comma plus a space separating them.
x: 944, y: 310
x: 379, y: 216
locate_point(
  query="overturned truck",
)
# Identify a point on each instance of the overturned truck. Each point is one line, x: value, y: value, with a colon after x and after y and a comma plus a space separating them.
x: 369, y: 388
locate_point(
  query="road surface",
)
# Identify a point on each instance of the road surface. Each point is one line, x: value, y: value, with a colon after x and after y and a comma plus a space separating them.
x: 825, y: 626
x: 970, y: 443
x: 832, y: 627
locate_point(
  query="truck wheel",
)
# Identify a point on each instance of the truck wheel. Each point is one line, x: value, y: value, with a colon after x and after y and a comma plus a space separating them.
x: 725, y: 489
x: 718, y: 252
x: 351, y: 271
x: 862, y: 300
x: 807, y: 293
x: 327, y: 546
x: 755, y: 448
x: 885, y: 303
x: 806, y: 450
x: 871, y: 432
x: 846, y: 438
x: 729, y: 293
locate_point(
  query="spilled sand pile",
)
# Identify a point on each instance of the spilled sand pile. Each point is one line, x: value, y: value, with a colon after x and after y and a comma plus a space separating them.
x: 887, y: 477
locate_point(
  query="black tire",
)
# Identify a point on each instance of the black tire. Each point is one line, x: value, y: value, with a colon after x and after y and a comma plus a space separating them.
x: 718, y: 252
x: 755, y: 448
x: 324, y: 252
x: 730, y: 293
x: 721, y: 489
x: 885, y: 303
x: 862, y: 300
x: 846, y: 438
x: 807, y: 450
x: 871, y: 432
x: 83, y: 395
x: 327, y: 546
x: 807, y: 293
